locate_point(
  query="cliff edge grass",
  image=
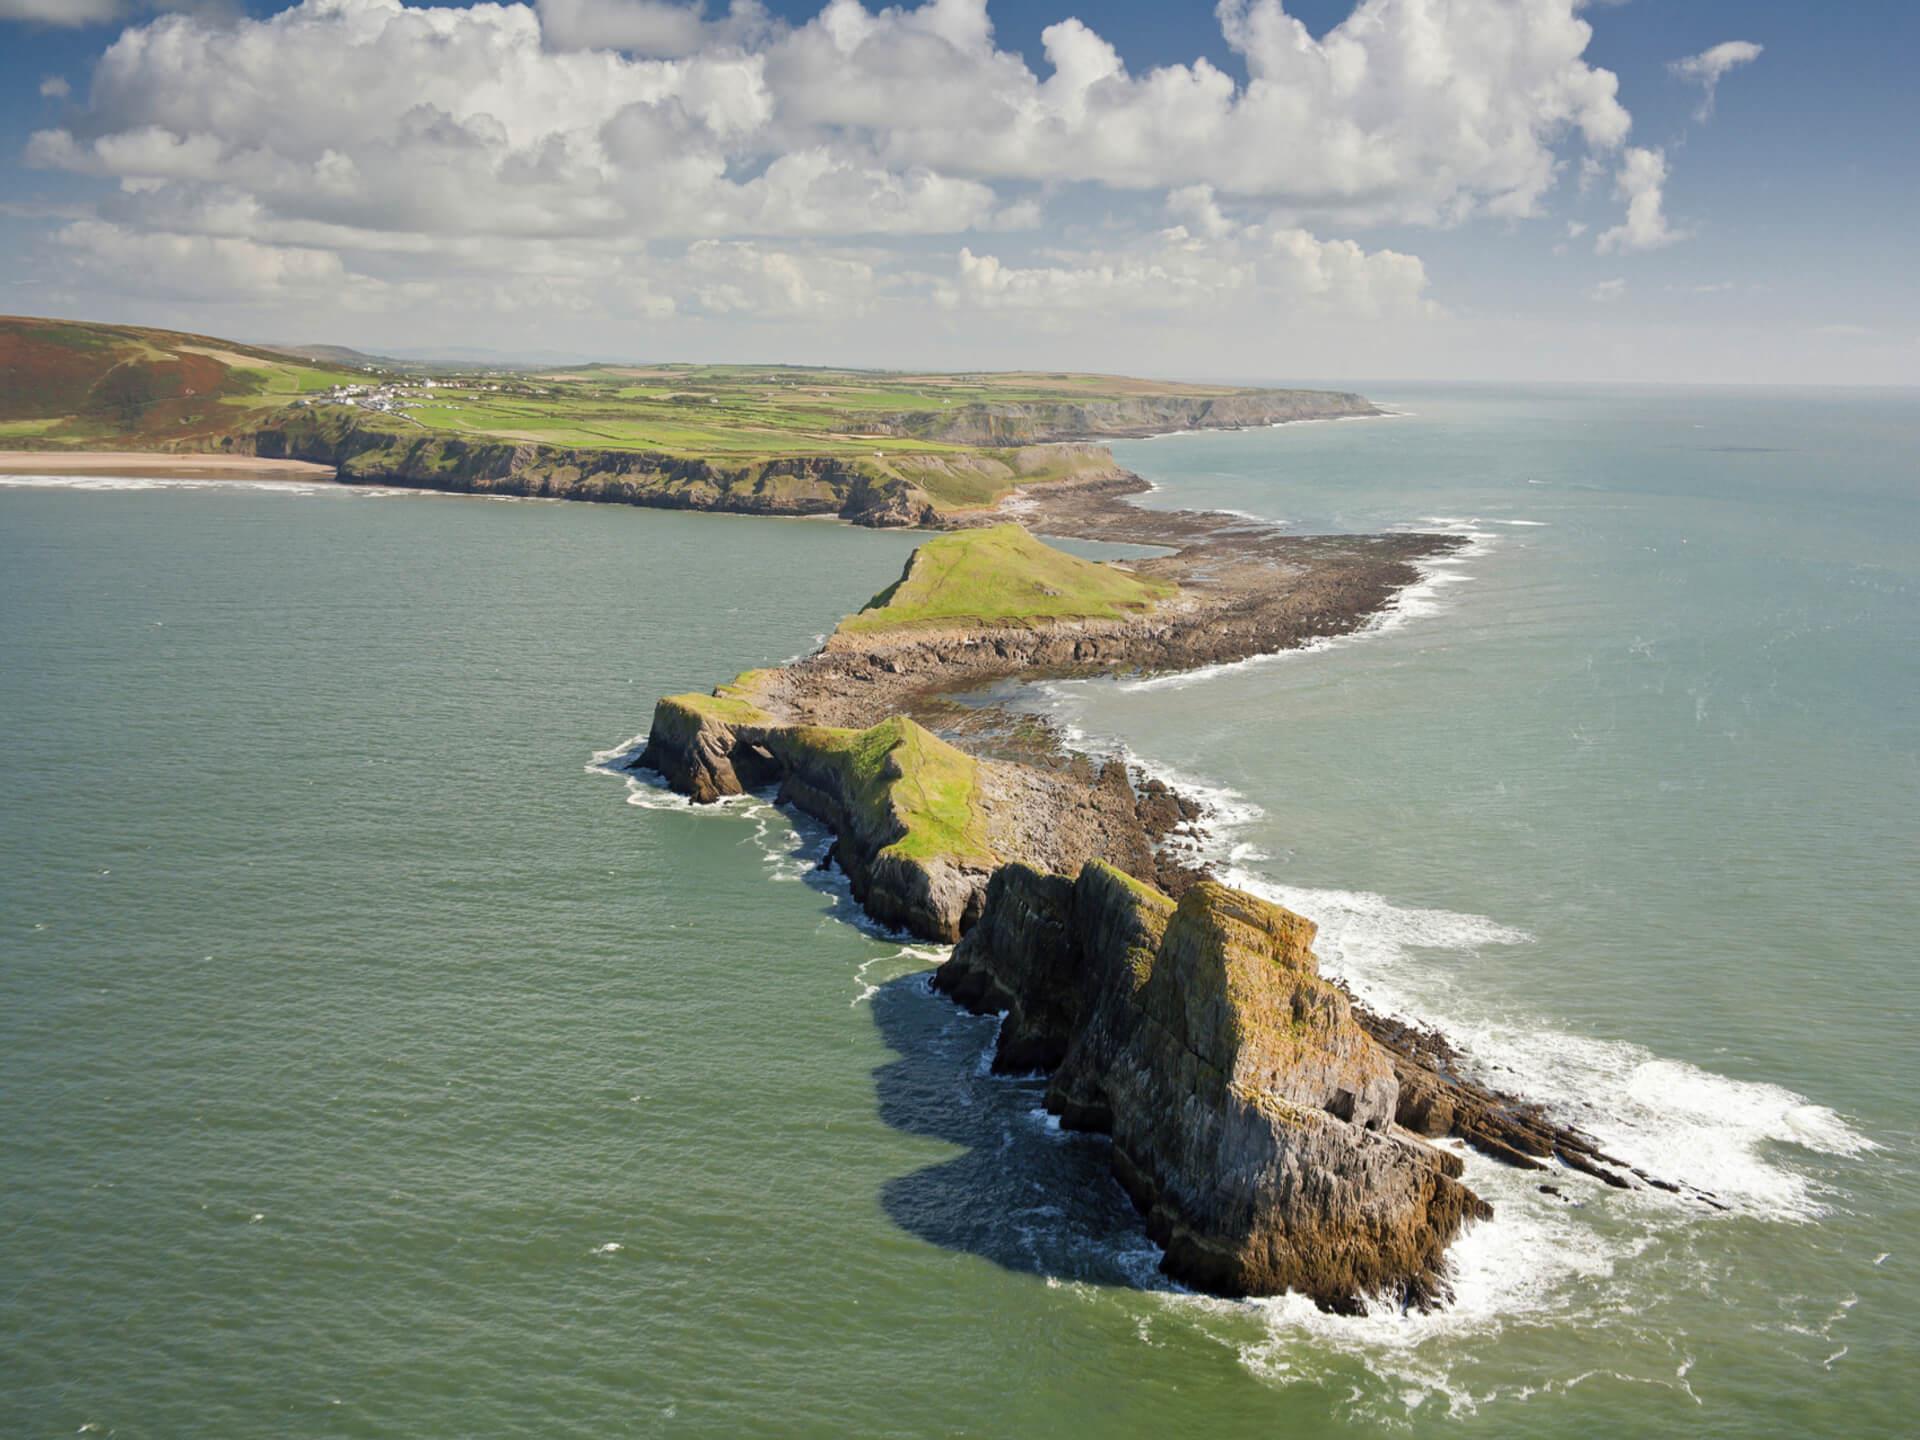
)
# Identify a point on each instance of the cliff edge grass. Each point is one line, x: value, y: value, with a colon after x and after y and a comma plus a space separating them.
x: 787, y: 475
x: 907, y: 808
x: 1002, y: 576
x: 875, y: 447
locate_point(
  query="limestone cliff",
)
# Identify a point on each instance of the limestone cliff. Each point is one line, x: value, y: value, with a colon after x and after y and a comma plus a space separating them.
x: 903, y: 804
x: 916, y: 489
x: 1251, y: 1115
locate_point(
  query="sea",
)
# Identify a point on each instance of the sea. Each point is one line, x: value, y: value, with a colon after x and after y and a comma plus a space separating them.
x: 378, y: 1059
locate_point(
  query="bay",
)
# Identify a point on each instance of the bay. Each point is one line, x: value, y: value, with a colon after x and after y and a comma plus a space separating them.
x: 376, y: 1063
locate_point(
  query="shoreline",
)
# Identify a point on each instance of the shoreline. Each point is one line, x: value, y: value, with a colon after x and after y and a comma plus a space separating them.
x: 987, y: 455
x: 144, y: 465
x: 1032, y: 938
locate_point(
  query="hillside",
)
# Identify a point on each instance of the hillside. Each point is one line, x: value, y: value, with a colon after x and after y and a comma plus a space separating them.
x: 882, y: 447
x: 1002, y: 576
x: 103, y: 387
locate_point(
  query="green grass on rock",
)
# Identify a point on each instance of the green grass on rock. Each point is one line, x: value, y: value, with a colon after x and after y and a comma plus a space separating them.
x: 1003, y: 576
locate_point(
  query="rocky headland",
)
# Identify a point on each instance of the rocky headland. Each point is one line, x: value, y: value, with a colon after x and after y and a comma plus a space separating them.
x: 1002, y: 447
x: 877, y: 491
x: 1125, y: 417
x: 1252, y: 1116
x: 1274, y: 1134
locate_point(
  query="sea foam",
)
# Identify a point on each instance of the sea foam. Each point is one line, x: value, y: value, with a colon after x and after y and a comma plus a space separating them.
x: 1671, y: 1118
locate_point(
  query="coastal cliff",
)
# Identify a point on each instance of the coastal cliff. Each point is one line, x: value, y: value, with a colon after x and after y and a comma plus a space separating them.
x: 904, y: 805
x: 872, y: 447
x: 1273, y: 1134
x: 1251, y: 1115
x: 908, y: 489
x: 1133, y: 416
x: 997, y: 448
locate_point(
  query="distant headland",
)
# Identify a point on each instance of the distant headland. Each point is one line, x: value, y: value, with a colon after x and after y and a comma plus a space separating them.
x: 873, y: 447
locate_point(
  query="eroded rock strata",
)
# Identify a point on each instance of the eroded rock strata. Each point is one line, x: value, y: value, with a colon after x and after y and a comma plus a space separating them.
x: 877, y: 491
x: 1274, y: 1135
x: 1252, y: 1117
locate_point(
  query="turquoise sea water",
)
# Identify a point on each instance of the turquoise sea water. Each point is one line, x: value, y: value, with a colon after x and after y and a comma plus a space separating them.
x: 374, y: 1064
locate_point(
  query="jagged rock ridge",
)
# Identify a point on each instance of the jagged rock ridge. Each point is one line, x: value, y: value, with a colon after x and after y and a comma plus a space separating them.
x: 1252, y: 1117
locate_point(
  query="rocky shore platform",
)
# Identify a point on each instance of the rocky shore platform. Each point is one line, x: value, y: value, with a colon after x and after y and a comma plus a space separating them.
x: 1275, y: 1135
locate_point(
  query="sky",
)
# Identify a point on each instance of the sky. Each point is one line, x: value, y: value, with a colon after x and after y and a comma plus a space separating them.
x: 1661, y: 191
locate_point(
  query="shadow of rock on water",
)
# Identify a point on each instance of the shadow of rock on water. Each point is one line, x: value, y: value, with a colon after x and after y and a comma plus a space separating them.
x: 1023, y: 1194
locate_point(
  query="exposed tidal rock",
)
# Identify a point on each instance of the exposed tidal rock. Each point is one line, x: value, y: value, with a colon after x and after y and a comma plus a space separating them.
x: 1438, y: 1098
x: 1252, y: 1116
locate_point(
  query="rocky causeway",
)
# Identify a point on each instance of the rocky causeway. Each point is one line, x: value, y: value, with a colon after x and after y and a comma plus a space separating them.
x: 1274, y: 1134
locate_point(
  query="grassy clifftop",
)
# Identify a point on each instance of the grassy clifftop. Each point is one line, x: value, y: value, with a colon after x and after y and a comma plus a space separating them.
x: 908, y: 793
x: 881, y: 447
x: 1002, y: 576
x: 930, y: 789
x: 69, y: 383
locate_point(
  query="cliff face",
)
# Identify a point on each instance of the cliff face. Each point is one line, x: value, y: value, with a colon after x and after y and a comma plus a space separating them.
x: 901, y: 803
x: 1023, y: 960
x: 1250, y: 1113
x: 905, y: 489
x: 796, y: 485
x: 909, y: 490
x: 1021, y: 424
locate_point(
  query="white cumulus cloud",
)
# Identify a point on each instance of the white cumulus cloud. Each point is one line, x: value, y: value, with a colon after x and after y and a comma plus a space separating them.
x: 1706, y: 68
x: 61, y: 12
x: 1641, y: 182
x: 678, y: 159
x: 1248, y: 269
x: 1409, y: 110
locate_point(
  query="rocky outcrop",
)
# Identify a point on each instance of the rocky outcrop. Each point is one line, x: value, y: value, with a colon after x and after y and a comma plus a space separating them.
x: 1438, y: 1097
x: 913, y: 868
x: 1025, y: 424
x: 1251, y: 1115
x: 1270, y: 1131
x: 878, y: 492
x: 1023, y: 960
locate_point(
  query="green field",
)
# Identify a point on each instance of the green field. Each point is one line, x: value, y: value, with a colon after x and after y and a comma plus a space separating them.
x: 69, y: 385
x: 1002, y: 575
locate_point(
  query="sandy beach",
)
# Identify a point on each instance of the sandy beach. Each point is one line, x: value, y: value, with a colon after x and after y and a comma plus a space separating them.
x: 144, y: 465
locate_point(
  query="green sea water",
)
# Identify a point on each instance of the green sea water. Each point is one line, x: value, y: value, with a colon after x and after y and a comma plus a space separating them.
x: 375, y: 1063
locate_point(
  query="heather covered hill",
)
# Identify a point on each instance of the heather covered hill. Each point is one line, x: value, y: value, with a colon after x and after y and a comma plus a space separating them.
x: 67, y: 385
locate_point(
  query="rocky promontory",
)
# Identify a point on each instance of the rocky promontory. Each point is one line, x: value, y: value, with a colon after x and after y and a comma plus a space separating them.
x: 881, y: 491
x: 1252, y: 1117
x: 1274, y: 1135
x: 956, y: 461
x: 903, y: 804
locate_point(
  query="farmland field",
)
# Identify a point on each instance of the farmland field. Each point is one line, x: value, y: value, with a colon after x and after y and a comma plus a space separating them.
x: 76, y: 386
